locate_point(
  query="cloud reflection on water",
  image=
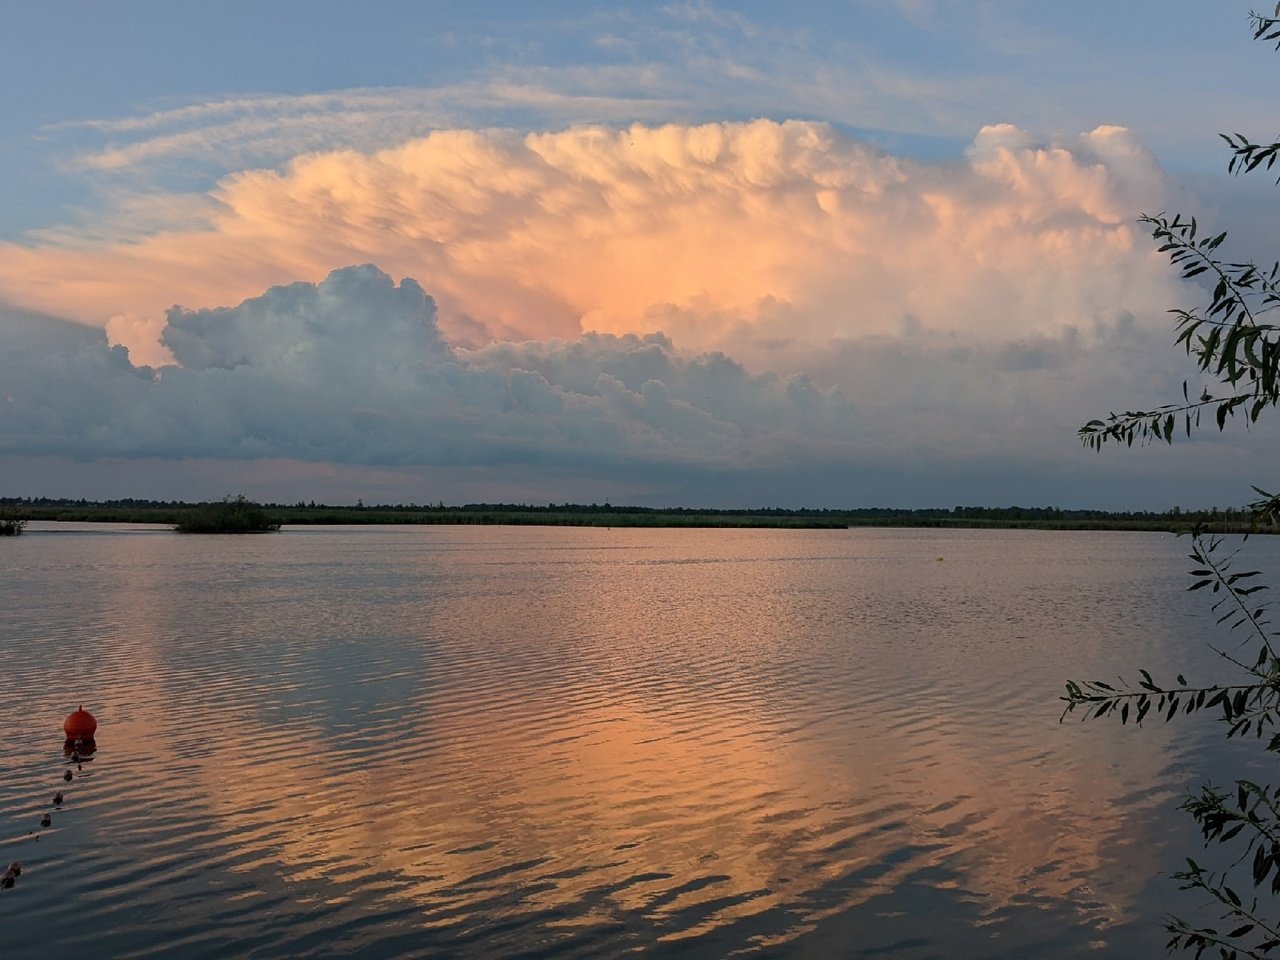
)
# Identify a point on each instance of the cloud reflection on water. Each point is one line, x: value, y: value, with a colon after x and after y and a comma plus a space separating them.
x: 564, y: 736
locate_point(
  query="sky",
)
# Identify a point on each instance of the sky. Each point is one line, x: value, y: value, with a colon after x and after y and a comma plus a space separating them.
x: 866, y: 253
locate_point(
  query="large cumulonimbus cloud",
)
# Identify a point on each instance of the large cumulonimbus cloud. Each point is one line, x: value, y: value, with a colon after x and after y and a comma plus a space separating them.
x: 354, y: 370
x: 727, y: 236
x: 728, y: 297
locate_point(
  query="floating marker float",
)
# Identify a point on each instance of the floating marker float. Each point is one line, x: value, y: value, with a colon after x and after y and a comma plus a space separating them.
x: 80, y: 725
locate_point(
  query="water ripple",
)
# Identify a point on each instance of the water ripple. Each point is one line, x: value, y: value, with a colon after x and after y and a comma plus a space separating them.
x: 574, y: 743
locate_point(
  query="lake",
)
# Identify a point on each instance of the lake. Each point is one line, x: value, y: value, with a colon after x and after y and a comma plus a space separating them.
x: 583, y: 742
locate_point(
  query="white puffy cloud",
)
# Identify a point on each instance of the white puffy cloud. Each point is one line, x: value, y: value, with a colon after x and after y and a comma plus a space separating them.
x: 356, y: 318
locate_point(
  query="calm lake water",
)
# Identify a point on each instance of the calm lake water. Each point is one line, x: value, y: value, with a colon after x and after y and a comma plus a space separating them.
x: 555, y: 742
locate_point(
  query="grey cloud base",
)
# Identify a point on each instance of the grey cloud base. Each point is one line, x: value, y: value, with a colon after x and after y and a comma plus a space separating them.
x: 353, y: 376
x: 354, y: 370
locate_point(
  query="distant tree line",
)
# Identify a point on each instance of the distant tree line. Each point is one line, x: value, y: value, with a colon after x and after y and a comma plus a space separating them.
x: 137, y: 510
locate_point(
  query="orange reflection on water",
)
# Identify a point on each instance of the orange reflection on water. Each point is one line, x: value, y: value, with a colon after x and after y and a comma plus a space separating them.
x: 618, y: 812
x: 683, y: 754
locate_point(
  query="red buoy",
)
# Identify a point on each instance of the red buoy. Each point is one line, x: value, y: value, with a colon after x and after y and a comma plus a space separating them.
x: 80, y: 725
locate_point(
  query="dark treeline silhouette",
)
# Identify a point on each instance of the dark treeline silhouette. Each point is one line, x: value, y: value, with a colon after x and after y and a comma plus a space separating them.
x: 137, y: 510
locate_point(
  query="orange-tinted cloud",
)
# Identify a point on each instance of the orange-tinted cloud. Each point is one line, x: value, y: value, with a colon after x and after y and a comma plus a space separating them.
x: 725, y: 235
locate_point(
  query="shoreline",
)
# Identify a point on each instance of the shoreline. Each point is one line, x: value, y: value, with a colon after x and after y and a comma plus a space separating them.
x: 1013, y: 518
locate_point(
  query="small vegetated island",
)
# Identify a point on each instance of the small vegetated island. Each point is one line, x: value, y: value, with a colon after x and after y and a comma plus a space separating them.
x: 240, y: 515
x: 228, y: 515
